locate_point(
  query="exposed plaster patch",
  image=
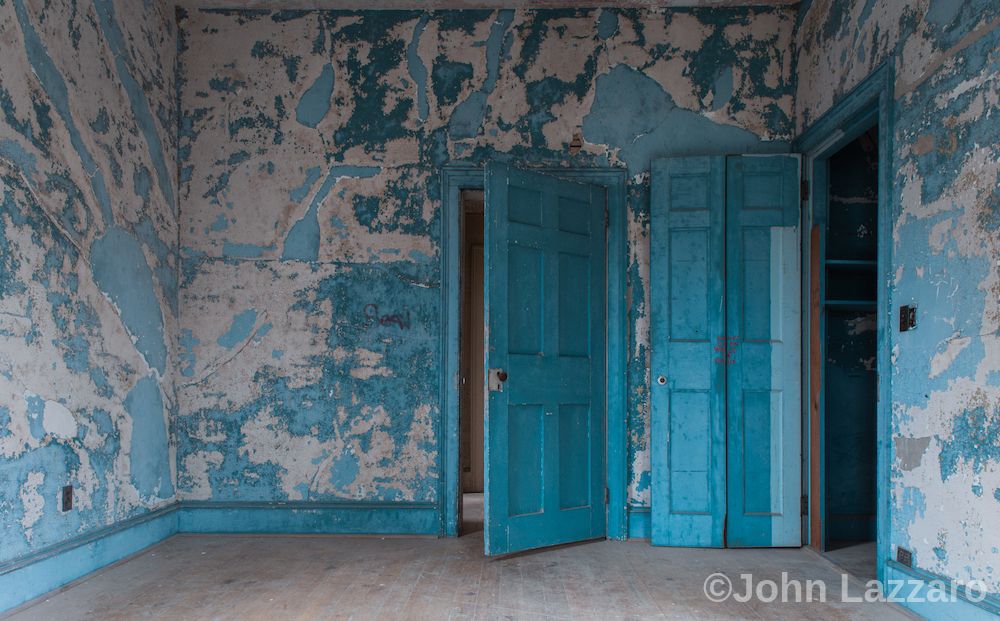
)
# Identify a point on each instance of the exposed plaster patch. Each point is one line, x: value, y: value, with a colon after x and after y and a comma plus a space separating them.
x: 196, y: 481
x: 943, y: 359
x: 58, y: 421
x: 32, y: 502
x: 910, y: 451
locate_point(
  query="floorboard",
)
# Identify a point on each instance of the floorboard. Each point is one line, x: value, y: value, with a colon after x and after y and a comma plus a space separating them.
x: 275, y: 577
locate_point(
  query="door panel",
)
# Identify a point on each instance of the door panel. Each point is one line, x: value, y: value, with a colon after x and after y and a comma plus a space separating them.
x: 763, y: 326
x: 687, y: 432
x: 545, y: 309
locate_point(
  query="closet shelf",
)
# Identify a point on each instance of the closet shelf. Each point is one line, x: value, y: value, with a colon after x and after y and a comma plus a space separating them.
x: 851, y: 304
x: 852, y: 263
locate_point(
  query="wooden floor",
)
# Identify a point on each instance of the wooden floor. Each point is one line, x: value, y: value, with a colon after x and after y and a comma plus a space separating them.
x: 253, y: 577
x: 856, y: 559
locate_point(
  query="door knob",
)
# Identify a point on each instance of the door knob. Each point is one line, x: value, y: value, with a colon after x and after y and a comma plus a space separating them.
x: 495, y: 379
x: 661, y: 380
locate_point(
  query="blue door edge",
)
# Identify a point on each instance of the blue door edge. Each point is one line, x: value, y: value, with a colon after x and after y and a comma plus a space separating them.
x: 456, y: 177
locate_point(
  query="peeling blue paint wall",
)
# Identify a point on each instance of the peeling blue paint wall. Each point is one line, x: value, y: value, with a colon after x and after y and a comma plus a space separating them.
x: 945, y: 376
x: 278, y: 304
x: 88, y: 266
x: 311, y: 147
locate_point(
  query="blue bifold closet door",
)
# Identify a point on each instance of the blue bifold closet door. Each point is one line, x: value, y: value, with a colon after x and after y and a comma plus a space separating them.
x: 725, y: 325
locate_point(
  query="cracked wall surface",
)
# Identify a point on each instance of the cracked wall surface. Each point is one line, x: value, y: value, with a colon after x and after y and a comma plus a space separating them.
x: 311, y: 145
x: 88, y: 265
x: 945, y: 255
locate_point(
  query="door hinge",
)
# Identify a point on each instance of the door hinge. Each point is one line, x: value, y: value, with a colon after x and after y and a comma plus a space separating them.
x: 804, y: 190
x: 804, y: 508
x: 607, y: 495
x: 607, y: 218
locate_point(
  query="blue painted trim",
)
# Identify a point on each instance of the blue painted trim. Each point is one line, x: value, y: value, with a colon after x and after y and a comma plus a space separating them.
x: 36, y: 574
x: 962, y: 608
x: 869, y: 102
x: 332, y: 518
x: 640, y: 523
x: 457, y: 177
x: 454, y: 179
x: 855, y: 112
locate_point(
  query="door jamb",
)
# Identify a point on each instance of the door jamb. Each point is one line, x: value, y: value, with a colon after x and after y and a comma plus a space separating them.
x: 454, y: 179
x: 870, y: 102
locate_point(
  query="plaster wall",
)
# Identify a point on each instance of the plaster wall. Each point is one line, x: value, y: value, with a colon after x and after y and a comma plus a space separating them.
x: 88, y: 259
x: 311, y: 146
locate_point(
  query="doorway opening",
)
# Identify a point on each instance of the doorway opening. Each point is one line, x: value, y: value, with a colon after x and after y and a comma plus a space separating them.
x: 471, y: 357
x: 848, y: 353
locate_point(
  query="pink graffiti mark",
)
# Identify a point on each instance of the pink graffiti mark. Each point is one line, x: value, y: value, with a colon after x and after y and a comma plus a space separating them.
x: 726, y: 347
x: 373, y: 317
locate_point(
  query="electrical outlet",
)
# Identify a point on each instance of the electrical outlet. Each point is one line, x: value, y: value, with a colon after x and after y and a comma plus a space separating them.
x: 907, y: 318
x: 67, y: 498
x: 904, y: 556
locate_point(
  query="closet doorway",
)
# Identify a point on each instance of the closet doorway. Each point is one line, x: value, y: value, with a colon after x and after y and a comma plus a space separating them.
x: 844, y: 355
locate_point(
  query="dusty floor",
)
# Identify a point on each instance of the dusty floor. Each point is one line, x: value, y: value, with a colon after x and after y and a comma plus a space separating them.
x: 253, y: 577
x: 857, y: 559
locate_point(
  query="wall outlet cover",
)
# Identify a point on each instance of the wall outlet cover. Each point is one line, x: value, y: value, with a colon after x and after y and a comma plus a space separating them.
x: 67, y: 498
x: 904, y: 556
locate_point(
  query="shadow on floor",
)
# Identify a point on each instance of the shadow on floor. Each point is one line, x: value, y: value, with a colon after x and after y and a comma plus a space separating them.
x: 857, y: 559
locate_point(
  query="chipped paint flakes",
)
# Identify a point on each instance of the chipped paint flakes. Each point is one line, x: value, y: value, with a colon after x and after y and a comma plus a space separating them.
x: 32, y: 502
x: 346, y: 264
x: 88, y: 258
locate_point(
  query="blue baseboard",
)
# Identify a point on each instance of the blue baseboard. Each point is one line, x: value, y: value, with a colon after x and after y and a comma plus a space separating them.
x: 639, y: 520
x: 334, y: 518
x: 34, y: 575
x: 917, y: 590
x: 31, y: 576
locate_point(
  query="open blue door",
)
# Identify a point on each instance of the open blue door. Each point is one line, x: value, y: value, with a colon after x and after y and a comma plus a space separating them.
x: 724, y: 329
x: 545, y: 406
x: 764, y: 326
x: 688, y: 374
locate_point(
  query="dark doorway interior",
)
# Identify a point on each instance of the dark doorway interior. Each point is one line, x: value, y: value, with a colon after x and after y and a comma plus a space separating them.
x: 849, y: 355
x: 471, y: 358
